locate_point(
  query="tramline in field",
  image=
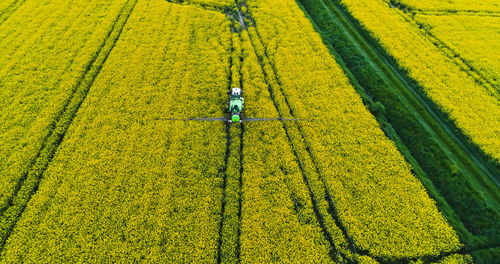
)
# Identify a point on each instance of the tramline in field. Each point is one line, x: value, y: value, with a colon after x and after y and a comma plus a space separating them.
x: 124, y: 134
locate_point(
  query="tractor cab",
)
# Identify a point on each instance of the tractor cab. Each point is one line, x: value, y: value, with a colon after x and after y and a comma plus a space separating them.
x: 235, y: 106
x: 236, y: 92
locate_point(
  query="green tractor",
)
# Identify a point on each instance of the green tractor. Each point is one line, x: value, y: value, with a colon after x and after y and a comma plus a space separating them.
x: 234, y: 110
x: 235, y: 105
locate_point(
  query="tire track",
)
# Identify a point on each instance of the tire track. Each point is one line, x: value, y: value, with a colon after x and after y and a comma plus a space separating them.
x: 224, y: 170
x: 241, y: 157
x: 4, y: 14
x: 224, y: 193
x: 228, y: 248
x: 29, y: 182
x: 228, y: 243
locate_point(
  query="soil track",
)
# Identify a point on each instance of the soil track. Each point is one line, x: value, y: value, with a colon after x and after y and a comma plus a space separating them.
x: 320, y: 214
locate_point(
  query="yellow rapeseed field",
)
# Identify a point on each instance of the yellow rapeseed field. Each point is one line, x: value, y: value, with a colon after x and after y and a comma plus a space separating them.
x: 384, y: 207
x: 473, y: 37
x: 469, y: 105
x: 211, y: 3
x: 135, y: 180
x: 125, y: 187
x: 6, y: 4
x: 278, y: 222
x: 7, y: 7
x: 461, y: 5
x: 45, y: 48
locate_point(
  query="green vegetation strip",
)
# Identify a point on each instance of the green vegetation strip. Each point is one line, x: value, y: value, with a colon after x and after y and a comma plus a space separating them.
x: 458, y: 176
x: 29, y: 182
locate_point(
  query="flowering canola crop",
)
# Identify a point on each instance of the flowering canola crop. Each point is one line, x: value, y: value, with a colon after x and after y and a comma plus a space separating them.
x: 125, y: 186
x: 472, y: 107
x: 278, y: 223
x: 474, y: 37
x: 384, y: 208
x: 46, y: 46
x: 460, y: 5
x: 134, y: 182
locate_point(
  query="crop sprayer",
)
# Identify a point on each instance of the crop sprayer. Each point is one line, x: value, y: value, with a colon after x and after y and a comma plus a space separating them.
x: 234, y: 109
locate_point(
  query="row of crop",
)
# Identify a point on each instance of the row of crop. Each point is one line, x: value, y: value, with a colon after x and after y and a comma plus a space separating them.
x: 468, y: 104
x: 278, y: 221
x: 452, y: 5
x: 471, y: 37
x: 208, y: 4
x: 30, y: 179
x: 47, y: 46
x: 124, y: 186
x: 7, y: 7
x: 384, y: 208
